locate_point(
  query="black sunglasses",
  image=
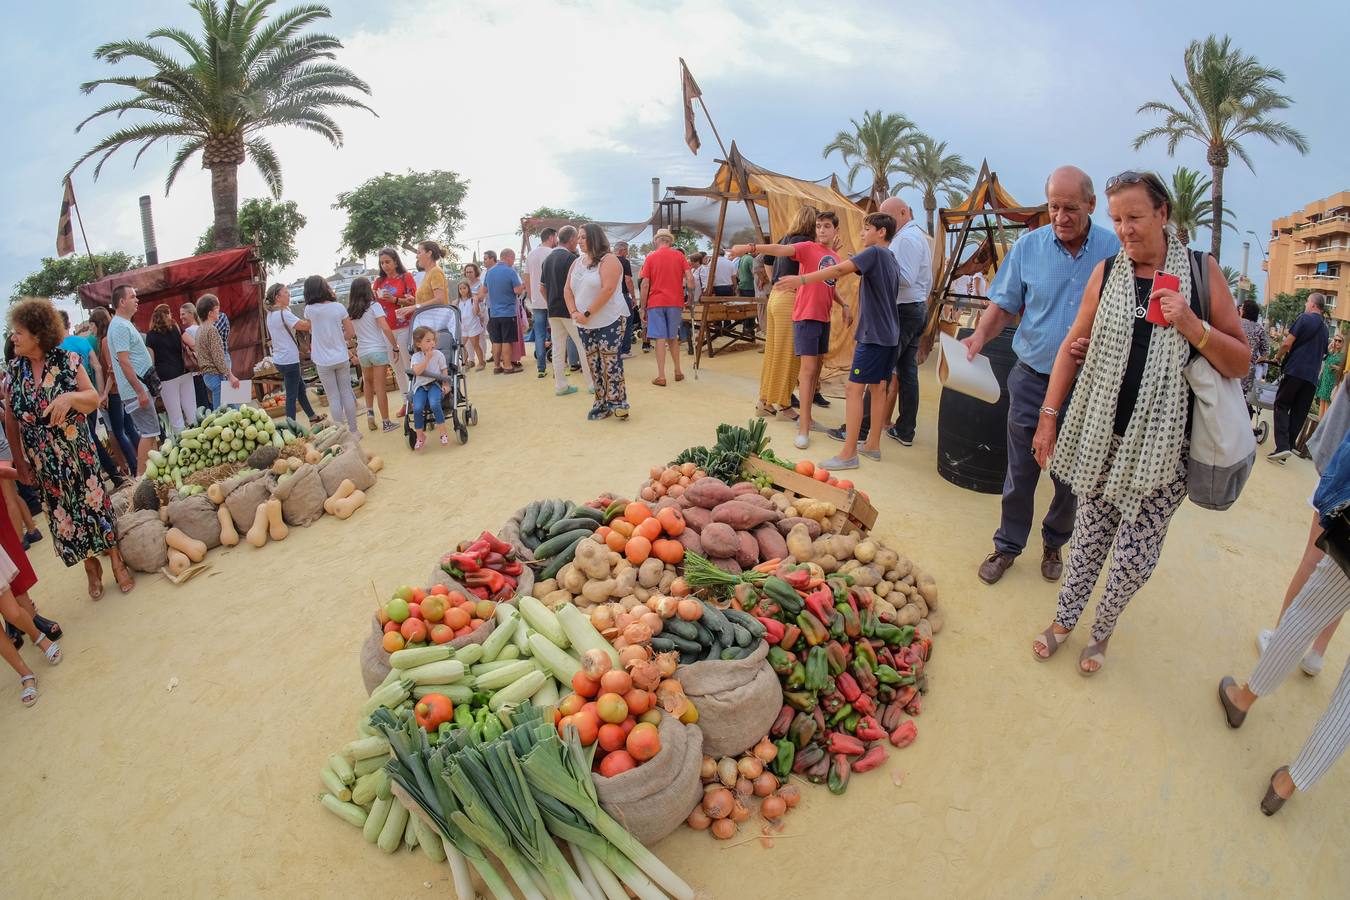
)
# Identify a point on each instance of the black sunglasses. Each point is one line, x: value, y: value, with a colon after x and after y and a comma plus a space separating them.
x: 1152, y: 183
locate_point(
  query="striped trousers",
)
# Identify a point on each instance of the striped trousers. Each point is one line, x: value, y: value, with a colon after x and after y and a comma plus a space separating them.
x: 1323, y: 598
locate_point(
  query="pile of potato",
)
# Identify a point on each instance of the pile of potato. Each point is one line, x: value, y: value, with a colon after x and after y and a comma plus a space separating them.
x: 598, y: 574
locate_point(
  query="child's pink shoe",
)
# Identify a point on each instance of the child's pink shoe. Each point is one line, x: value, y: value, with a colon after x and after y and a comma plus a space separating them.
x: 421, y: 442
x: 445, y: 440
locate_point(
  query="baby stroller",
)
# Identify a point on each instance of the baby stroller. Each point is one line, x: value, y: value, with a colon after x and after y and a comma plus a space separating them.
x: 459, y: 412
x: 1262, y: 396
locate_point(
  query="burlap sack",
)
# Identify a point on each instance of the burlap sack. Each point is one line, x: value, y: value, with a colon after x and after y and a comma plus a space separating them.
x: 375, y: 661
x: 347, y: 464
x: 654, y: 799
x: 510, y: 533
x: 301, y: 496
x: 140, y: 537
x: 243, y: 495
x: 737, y: 700
x: 196, y: 517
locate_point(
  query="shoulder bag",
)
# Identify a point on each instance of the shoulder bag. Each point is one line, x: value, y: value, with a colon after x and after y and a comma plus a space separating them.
x: 1223, y: 448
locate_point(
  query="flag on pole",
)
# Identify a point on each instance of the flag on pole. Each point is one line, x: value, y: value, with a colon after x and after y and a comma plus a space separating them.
x: 690, y: 88
x: 65, y: 234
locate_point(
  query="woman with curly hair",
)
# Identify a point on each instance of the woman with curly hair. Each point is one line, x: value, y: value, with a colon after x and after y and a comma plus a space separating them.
x: 50, y: 400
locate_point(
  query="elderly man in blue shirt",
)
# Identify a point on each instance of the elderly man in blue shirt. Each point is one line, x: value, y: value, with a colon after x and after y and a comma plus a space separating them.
x: 1042, y: 280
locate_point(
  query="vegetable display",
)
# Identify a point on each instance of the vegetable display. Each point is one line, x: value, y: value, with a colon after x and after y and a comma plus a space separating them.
x: 487, y: 567
x: 224, y: 436
x: 732, y: 786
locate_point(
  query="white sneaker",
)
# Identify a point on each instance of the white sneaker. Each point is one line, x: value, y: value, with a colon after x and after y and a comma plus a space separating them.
x: 1312, y: 664
x: 1263, y: 639
x: 801, y: 442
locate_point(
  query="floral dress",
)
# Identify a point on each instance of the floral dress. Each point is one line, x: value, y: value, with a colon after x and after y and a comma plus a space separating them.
x: 62, y: 458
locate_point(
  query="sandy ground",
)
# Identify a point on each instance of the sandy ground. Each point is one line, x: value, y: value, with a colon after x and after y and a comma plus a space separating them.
x: 1026, y: 780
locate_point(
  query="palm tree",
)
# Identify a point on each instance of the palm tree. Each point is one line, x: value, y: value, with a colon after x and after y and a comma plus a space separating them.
x: 1227, y: 96
x: 1190, y: 206
x: 1231, y: 275
x: 930, y: 168
x: 243, y: 74
x: 874, y: 145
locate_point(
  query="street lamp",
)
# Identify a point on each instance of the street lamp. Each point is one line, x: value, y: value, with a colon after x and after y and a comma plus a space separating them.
x: 1264, y: 255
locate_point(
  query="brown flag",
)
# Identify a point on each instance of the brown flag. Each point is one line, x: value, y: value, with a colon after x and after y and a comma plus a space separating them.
x: 690, y: 88
x: 65, y: 235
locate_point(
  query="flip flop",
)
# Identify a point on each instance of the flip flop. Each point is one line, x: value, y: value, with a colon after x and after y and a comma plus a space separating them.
x: 679, y: 376
x: 1231, y: 712
x: 1051, y: 640
x: 1272, y: 802
x: 1092, y: 653
x: 659, y: 382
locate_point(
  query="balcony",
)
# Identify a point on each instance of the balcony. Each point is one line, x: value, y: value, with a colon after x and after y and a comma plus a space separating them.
x: 1338, y: 224
x: 1318, y: 279
x: 1318, y: 251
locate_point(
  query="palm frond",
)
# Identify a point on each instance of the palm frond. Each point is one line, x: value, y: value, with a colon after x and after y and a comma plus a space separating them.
x: 184, y: 153
x: 265, y: 160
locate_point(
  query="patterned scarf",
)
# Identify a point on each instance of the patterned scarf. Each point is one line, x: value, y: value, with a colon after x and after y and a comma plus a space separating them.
x: 1151, y: 446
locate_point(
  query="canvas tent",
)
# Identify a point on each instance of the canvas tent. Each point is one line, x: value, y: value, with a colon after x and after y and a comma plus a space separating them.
x: 235, y: 276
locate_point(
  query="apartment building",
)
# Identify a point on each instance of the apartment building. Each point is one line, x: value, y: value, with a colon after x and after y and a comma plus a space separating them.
x: 1311, y: 249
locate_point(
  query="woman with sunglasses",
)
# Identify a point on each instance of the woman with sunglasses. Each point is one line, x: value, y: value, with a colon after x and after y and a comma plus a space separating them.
x: 1123, y: 447
x: 1332, y: 367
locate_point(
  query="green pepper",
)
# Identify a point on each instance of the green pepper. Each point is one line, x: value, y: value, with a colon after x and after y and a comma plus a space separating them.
x: 812, y: 629
x: 782, y: 763
x: 783, y: 594
x: 863, y: 652
x: 803, y: 730
x: 463, y: 715
x: 852, y: 624
x: 780, y: 660
x: 800, y: 700
x: 869, y: 623
x: 887, y: 675
x: 895, y: 635
x: 837, y: 656
x: 839, y: 772
x: 492, y: 728
x: 837, y: 628
x: 817, y: 668
x: 841, y: 713
x: 797, y: 677
x: 850, y: 723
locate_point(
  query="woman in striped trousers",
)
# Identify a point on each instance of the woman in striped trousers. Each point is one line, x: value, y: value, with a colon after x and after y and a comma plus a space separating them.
x: 1324, y: 597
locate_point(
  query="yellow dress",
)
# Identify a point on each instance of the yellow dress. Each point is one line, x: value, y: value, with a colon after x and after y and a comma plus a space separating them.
x: 778, y: 378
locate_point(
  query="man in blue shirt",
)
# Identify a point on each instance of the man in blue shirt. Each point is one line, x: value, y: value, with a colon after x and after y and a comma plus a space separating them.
x: 1042, y: 280
x: 503, y: 286
x: 1302, y: 352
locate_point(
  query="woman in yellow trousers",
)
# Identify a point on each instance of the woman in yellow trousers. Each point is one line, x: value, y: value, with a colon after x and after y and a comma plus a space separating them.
x: 779, y: 375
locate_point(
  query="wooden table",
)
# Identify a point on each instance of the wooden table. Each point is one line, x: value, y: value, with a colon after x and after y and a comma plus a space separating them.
x: 719, y: 318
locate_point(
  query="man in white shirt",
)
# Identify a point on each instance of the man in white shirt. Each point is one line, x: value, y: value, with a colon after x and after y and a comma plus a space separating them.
x: 534, y: 290
x: 724, y: 276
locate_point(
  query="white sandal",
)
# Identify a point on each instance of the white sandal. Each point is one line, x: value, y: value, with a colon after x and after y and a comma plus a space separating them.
x: 30, y: 692
x: 52, y: 651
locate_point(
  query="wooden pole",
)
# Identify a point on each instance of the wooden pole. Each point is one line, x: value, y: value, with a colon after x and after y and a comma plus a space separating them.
x: 712, y: 125
x: 717, y: 245
x: 98, y: 267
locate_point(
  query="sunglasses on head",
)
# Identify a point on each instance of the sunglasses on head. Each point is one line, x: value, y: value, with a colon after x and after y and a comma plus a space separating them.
x: 1150, y: 182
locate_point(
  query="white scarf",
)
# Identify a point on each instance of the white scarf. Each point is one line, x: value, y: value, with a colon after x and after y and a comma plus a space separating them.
x: 1150, y: 449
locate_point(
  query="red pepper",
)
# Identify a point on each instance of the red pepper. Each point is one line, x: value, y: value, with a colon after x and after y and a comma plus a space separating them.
x: 513, y: 569
x: 493, y: 581
x: 811, y: 627
x: 494, y: 560
x: 784, y: 720
x: 845, y: 743
x: 773, y: 629
x: 465, y: 562
x: 799, y: 578
x: 848, y: 687
x: 904, y: 695
x: 915, y: 706
x: 869, y: 729
x: 820, y: 602
x: 493, y: 544
x: 478, y: 591
x: 865, y: 705
x: 478, y: 548
x: 890, y: 716
x: 870, y: 760
x: 904, y: 735
x: 791, y: 635
x: 852, y: 600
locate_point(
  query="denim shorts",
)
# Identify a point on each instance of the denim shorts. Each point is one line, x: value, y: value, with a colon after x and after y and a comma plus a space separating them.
x: 368, y: 360
x: 663, y: 323
x: 811, y: 338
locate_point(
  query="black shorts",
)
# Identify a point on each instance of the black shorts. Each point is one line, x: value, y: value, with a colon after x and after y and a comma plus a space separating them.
x: 811, y: 338
x: 872, y: 364
x: 503, y: 330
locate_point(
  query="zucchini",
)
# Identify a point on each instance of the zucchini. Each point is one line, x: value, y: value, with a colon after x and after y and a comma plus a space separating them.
x: 512, y: 650
x: 410, y: 831
x: 369, y: 764
x: 429, y: 840
x: 582, y: 634
x: 501, y: 635
x: 445, y: 672
x: 527, y: 520
x: 347, y: 812
x: 561, y: 665
x: 559, y: 542
x: 363, y: 792
x: 498, y: 679
x: 484, y: 668
x: 333, y: 785
x: 391, y: 834
x: 520, y: 690
x: 418, y: 656
x: 547, y: 696
x: 555, y: 565
x: 541, y: 619
x: 342, y: 768
x: 468, y: 654
x: 367, y: 747
x: 384, y: 787
x: 588, y: 512
x: 571, y: 524
x: 458, y: 693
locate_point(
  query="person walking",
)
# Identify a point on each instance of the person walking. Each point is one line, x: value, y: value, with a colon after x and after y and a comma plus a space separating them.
x: 560, y: 322
x: 778, y: 375
x: 376, y: 346
x: 596, y: 304
x: 50, y: 398
x: 17, y: 513
x: 1042, y: 279
x: 396, y: 289
x: 629, y: 299
x: 283, y: 327
x: 503, y: 287
x: 84, y: 347
x: 1330, y: 378
x: 1301, y: 356
x: 330, y: 330
x: 665, y: 276
x: 165, y: 342
x: 1124, y: 445
x: 137, y: 381
x: 211, y: 359
x: 1257, y: 339
x: 472, y: 316
x: 121, y: 433
x: 534, y: 289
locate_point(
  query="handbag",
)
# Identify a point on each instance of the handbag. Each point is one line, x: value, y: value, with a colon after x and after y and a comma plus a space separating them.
x: 302, y: 349
x: 150, y: 378
x: 1223, y: 448
x: 189, y: 353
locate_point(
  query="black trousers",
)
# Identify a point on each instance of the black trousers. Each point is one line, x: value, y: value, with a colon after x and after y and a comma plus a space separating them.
x: 1293, y: 399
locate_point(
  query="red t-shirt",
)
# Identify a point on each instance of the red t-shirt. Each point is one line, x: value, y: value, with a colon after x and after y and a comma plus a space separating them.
x: 403, y: 286
x: 665, y: 270
x: 813, y: 300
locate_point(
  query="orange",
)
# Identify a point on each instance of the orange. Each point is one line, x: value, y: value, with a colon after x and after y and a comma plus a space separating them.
x: 806, y: 467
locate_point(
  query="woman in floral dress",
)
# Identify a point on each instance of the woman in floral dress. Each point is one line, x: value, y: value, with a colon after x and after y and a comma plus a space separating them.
x: 51, y: 395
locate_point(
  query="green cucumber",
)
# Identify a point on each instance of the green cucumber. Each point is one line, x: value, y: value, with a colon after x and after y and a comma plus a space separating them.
x: 527, y: 520
x: 677, y: 627
x: 573, y: 524
x: 548, y: 514
x: 563, y: 558
x: 558, y: 543
x: 587, y: 512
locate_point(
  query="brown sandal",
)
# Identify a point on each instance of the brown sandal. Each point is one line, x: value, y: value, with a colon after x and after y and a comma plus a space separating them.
x: 679, y: 376
x: 1231, y: 712
x: 1272, y: 801
x: 1092, y: 653
x: 659, y: 382
x: 95, y: 579
x: 1051, y: 640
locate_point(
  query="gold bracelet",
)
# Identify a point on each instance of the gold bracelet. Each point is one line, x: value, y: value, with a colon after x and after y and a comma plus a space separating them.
x: 1205, y: 339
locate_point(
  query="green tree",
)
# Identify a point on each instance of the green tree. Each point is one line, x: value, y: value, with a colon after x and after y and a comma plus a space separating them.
x: 1191, y: 205
x: 930, y: 168
x: 876, y: 144
x: 244, y: 74
x: 555, y: 212
x: 1227, y: 96
x: 686, y: 239
x: 1282, y: 309
x: 399, y: 210
x: 1231, y: 275
x: 267, y: 223
x: 63, y: 277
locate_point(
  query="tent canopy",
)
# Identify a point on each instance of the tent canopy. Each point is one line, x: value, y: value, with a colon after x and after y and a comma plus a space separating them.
x: 235, y: 276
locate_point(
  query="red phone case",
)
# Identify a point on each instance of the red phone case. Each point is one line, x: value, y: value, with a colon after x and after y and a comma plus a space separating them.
x: 1155, y: 313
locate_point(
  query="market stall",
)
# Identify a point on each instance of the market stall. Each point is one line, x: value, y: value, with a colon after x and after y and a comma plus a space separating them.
x: 595, y: 674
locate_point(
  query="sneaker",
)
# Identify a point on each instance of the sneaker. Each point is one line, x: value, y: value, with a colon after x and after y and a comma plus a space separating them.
x: 871, y: 454
x: 839, y: 433
x: 33, y: 536
x: 563, y: 392
x: 445, y: 440
x: 542, y: 374
x: 1312, y: 664
x: 895, y: 435
x: 1279, y: 456
x: 598, y: 413
x: 801, y: 442
x: 370, y: 422
x: 646, y: 348
x: 835, y: 464
x: 819, y: 400
x: 390, y: 426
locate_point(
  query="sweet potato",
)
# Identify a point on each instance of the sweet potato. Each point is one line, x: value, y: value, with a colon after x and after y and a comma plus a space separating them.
x: 697, y: 518
x: 744, y: 487
x: 771, y: 543
x: 743, y: 516
x: 664, y: 502
x: 690, y: 539
x: 748, y: 554
x: 708, y: 492
x: 719, y: 540
x: 785, y: 525
x: 756, y: 500
x: 727, y: 565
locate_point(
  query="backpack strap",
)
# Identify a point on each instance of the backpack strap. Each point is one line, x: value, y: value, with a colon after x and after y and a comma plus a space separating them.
x: 1200, y: 276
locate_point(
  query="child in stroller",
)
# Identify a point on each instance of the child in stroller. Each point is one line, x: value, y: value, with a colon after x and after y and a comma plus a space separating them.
x: 429, y: 377
x: 438, y: 389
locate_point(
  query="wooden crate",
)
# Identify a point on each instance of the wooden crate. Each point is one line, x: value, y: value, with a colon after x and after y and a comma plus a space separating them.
x: 853, y: 508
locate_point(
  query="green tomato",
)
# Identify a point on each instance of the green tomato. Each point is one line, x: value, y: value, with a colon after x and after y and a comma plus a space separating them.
x: 397, y: 610
x: 404, y: 593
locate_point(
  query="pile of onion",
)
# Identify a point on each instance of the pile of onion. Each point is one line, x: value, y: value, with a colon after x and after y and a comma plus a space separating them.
x: 731, y: 785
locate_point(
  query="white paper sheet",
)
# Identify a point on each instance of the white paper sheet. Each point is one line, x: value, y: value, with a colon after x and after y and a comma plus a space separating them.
x: 238, y: 396
x: 975, y: 377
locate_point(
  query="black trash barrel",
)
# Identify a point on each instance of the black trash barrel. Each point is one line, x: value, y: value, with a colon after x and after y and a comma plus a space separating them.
x: 973, y: 435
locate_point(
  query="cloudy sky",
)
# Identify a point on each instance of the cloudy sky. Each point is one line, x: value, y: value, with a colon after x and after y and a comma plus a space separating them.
x: 577, y: 104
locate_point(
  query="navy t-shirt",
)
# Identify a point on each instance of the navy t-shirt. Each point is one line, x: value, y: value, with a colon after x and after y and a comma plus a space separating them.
x: 1310, y: 346
x: 878, y: 318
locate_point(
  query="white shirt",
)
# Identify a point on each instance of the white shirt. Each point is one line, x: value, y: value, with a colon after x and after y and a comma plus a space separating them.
x: 534, y: 266
x: 586, y: 288
x: 328, y: 344
x: 284, y: 350
x: 915, y: 257
x: 435, y: 366
x: 369, y: 335
x: 726, y: 274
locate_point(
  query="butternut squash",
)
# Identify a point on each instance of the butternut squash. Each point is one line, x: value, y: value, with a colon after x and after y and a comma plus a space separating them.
x: 375, y: 464
x: 312, y: 455
x: 229, y: 536
x: 257, y: 534
x: 215, y: 494
x: 193, y: 549
x: 178, y: 563
x: 294, y: 463
x: 344, y: 490
x: 276, y: 528
x: 344, y: 508
x: 281, y: 466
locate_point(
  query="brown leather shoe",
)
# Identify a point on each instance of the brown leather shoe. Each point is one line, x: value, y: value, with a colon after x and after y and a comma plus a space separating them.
x: 992, y: 569
x: 1052, y: 566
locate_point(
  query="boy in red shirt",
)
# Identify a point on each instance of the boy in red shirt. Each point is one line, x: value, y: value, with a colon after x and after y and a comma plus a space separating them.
x: 810, y: 312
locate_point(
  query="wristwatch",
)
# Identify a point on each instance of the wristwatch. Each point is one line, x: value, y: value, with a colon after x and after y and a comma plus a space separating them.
x: 586, y: 314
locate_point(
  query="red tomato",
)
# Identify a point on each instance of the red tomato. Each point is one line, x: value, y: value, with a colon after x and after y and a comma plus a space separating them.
x: 822, y: 475
x: 586, y: 687
x: 627, y: 725
x: 806, y: 467
x: 381, y: 615
x: 639, y: 701
x: 413, y: 630
x: 616, y: 763
x: 611, y: 737
x: 844, y: 484
x: 456, y: 597
x: 456, y: 617
x: 442, y: 634
x: 390, y: 627
x: 418, y: 595
x: 832, y: 480
x: 588, y: 727
x: 440, y: 590
x: 414, y: 610
x: 571, y: 704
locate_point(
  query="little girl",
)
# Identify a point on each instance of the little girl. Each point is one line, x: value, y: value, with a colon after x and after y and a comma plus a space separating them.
x: 426, y: 363
x: 16, y: 606
x: 470, y: 323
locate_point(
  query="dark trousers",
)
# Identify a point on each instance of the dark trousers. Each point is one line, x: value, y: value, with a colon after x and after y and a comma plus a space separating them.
x: 912, y: 317
x: 122, y: 430
x: 1293, y: 399
x: 294, y: 386
x: 1026, y: 395
x: 629, y: 330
